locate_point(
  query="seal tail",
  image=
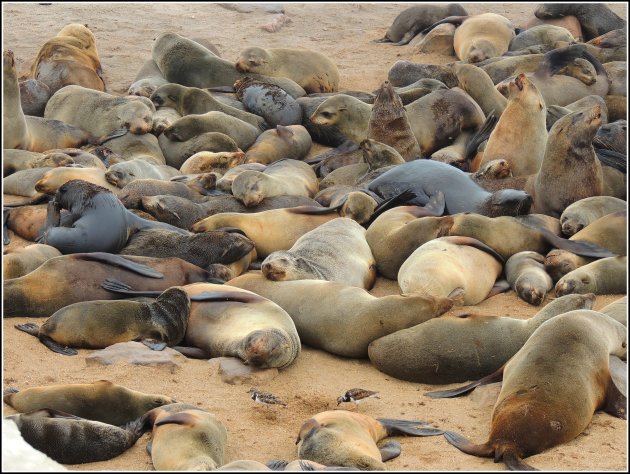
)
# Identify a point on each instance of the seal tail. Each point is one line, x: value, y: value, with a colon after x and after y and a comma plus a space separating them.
x: 480, y: 136
x: 495, y: 376
x: 466, y: 446
x: 407, y: 427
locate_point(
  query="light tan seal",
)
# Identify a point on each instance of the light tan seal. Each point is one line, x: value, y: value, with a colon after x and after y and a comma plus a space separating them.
x: 525, y: 272
x: 334, y: 251
x: 557, y: 396
x: 276, y: 229
x: 176, y: 152
x: 618, y: 310
x: 602, y: 277
x: 292, y: 141
x: 18, y: 262
x: 281, y: 178
x: 342, y: 329
x: 101, y: 323
x: 310, y: 69
x: 121, y: 174
x: 585, y: 211
x: 207, y: 161
x: 478, y: 84
x: 343, y: 438
x: 472, y: 269
x: 429, y: 353
x: 93, y: 401
x: 68, y: 58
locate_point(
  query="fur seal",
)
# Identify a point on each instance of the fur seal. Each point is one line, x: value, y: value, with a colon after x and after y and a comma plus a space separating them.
x: 269, y: 101
x: 323, y: 323
x: 207, y: 161
x: 192, y: 100
x: 92, y: 401
x: 585, y: 211
x: 26, y: 296
x: 478, y: 84
x: 595, y: 18
x: 612, y: 136
x: 14, y: 160
x: 310, y: 69
x: 18, y: 262
x: 343, y: 438
x: 541, y: 34
x: 413, y: 20
x: 148, y: 79
x: 527, y: 112
x: 525, y: 272
x: 55, y: 178
x: 23, y: 182
x: 389, y: 124
x: 225, y: 182
x: 557, y: 396
x: 461, y: 194
x: 404, y: 73
x: 429, y: 353
x: 101, y: 323
x: 99, y: 223
x: 334, y: 251
x: 132, y: 194
x: 132, y: 146
x: 282, y: 177
x: 618, y: 310
x: 292, y: 141
x: 568, y: 22
x: 602, y: 277
x: 121, y: 174
x: 185, y: 438
x: 25, y: 221
x: 70, y: 57
x: 276, y: 229
x: 71, y: 440
x: 186, y: 62
x: 232, y: 322
x: 472, y: 267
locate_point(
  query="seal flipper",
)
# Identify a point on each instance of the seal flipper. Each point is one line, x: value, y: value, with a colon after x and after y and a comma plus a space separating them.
x: 277, y: 464
x: 390, y: 450
x: 454, y: 20
x: 312, y: 210
x: 512, y: 460
x: 407, y: 427
x: 578, y: 247
x: 177, y: 419
x: 192, y: 352
x: 482, y: 134
x: 616, y: 401
x: 466, y: 446
x: 500, y: 286
x: 29, y: 328
x: 119, y: 261
x: 119, y: 132
x: 461, y: 240
x: 56, y: 347
x: 496, y: 376
x: 397, y: 200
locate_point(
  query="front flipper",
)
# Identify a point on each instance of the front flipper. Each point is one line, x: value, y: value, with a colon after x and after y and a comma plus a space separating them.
x: 496, y: 376
x: 500, y: 286
x: 154, y: 345
x: 56, y: 347
x: 390, y: 450
x: 578, y: 247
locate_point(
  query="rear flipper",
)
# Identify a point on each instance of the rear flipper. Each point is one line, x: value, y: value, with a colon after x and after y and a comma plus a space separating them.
x: 578, y: 247
x: 482, y: 134
x: 466, y: 446
x: 407, y: 427
x: 56, y: 347
x: 6, y: 237
x: 496, y: 376
x: 28, y: 328
x: 154, y: 345
x: 390, y: 450
x: 512, y: 460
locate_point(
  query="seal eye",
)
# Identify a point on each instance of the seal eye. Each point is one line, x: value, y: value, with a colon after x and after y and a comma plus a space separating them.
x: 326, y: 114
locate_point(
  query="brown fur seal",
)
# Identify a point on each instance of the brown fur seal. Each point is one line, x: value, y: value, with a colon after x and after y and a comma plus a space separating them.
x: 132, y: 194
x: 310, y: 69
x: 456, y: 349
x: 568, y: 22
x: 618, y: 310
x: 33, y: 97
x: 404, y: 73
x: 71, y: 440
x: 148, y: 79
x: 55, y: 178
x: 478, y: 84
x: 100, y: 113
x: 276, y: 229
x: 192, y: 100
x: 343, y: 438
x: 585, y: 211
x: 389, y: 124
x: 557, y: 396
x: 221, y: 324
x: 323, y: 323
x: 93, y: 401
x: 525, y: 272
x: 18, y: 262
x: 541, y: 34
x: 70, y: 57
x: 25, y: 221
x: 413, y: 20
x: 28, y: 297
x: 99, y: 223
x: 207, y: 161
x: 121, y: 174
x: 595, y: 18
x: 269, y: 101
x: 185, y: 438
x: 292, y: 141
x: 131, y: 146
x: 602, y: 277
x: 282, y: 177
x: 334, y: 251
x: 473, y: 267
x: 525, y: 112
x: 101, y: 323
x: 186, y: 62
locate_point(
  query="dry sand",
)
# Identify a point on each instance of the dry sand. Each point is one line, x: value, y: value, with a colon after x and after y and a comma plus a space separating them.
x: 124, y: 34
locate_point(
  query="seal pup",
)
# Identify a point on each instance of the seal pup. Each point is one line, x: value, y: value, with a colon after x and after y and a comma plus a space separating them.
x: 269, y: 101
x: 413, y: 20
x: 526, y: 274
x: 292, y: 141
x: 346, y: 329
x: 389, y: 124
x: 334, y: 251
x: 185, y: 438
x: 72, y: 440
x: 428, y: 353
x: 602, y: 277
x: 472, y: 267
x: 344, y: 438
x: 101, y: 323
x: 310, y: 69
x: 92, y: 401
x: 581, y: 213
x: 282, y: 177
x: 555, y: 397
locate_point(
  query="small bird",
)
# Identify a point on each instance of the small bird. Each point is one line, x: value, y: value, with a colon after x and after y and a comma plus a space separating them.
x: 356, y: 395
x: 265, y: 398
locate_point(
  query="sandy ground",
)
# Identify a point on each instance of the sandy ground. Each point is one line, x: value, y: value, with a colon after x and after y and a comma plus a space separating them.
x: 312, y: 383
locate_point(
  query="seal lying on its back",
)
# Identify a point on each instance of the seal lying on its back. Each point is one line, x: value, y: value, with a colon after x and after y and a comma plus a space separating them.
x: 426, y: 177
